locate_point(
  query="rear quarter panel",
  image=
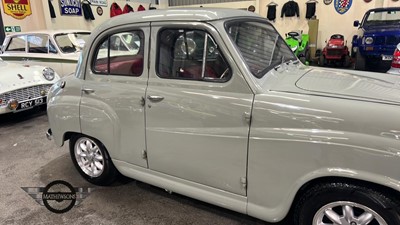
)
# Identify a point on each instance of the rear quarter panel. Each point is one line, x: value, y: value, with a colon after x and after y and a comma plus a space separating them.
x: 63, y: 108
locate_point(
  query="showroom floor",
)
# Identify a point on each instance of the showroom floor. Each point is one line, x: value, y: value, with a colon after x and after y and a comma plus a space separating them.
x: 28, y: 159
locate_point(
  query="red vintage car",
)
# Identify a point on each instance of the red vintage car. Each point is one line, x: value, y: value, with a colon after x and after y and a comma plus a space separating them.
x: 335, y: 52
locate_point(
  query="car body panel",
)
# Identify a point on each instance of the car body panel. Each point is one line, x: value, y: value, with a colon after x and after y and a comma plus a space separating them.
x: 395, y: 68
x: 67, y: 119
x: 351, y: 85
x: 200, y: 139
x: 124, y: 115
x: 320, y: 137
x: 208, y: 115
x: 23, y: 83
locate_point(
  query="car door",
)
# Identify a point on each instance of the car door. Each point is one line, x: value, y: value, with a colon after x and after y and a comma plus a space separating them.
x: 197, y: 108
x: 112, y: 107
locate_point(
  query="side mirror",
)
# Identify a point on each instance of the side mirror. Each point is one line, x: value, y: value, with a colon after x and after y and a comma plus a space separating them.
x: 356, y: 23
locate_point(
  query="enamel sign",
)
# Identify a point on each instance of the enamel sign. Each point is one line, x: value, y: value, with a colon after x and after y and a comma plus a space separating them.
x: 19, y: 9
x: 103, y: 3
x: 342, y: 6
x: 70, y: 8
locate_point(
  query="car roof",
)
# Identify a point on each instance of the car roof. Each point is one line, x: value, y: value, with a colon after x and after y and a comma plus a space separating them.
x: 384, y: 9
x: 177, y: 14
x: 50, y: 32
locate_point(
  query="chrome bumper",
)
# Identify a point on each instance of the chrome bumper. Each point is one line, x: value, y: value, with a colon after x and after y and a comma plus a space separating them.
x: 49, y: 134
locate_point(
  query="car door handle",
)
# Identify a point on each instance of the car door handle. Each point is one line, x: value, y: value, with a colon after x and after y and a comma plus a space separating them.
x: 88, y: 90
x: 154, y: 98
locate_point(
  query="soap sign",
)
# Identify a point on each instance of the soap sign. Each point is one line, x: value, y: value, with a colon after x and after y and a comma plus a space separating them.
x: 70, y: 7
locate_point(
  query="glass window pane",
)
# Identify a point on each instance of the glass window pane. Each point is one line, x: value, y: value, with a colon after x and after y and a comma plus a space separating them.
x: 101, y: 62
x: 121, y: 54
x: 38, y: 43
x: 17, y: 44
x: 71, y: 42
x: 260, y: 46
x: 190, y: 54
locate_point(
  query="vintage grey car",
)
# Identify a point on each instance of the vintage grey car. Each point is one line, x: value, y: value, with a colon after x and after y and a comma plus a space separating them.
x: 215, y: 106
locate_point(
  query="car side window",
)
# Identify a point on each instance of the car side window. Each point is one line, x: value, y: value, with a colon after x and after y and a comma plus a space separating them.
x: 191, y: 55
x: 120, y: 54
x: 17, y: 44
x: 38, y: 43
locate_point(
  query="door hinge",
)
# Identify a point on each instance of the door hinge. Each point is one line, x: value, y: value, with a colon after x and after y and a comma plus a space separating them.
x: 247, y: 117
x: 142, y: 101
x: 243, y: 181
x: 144, y: 154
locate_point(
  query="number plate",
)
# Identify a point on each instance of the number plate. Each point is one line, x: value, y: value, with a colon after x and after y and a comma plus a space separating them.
x: 31, y: 103
x: 387, y: 57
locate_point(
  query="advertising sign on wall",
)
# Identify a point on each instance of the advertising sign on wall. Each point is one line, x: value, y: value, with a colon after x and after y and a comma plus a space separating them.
x: 99, y: 2
x: 70, y: 7
x: 19, y: 9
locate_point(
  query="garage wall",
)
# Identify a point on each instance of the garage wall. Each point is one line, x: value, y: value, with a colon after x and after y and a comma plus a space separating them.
x: 330, y: 21
x: 79, y: 22
x: 36, y: 21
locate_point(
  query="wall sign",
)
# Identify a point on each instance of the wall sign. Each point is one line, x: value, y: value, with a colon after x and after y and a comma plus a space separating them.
x: 328, y: 2
x: 19, y: 9
x: 70, y: 7
x: 99, y: 2
x: 12, y: 29
x: 99, y: 11
x: 342, y: 6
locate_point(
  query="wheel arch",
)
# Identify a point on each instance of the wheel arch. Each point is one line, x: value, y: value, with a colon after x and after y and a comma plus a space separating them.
x: 338, y: 179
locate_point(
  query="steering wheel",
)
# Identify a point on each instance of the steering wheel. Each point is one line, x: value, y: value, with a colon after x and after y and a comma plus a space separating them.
x: 293, y: 34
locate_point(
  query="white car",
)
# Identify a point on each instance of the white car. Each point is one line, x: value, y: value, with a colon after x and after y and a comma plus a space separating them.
x: 59, y: 49
x: 395, y: 69
x: 23, y: 87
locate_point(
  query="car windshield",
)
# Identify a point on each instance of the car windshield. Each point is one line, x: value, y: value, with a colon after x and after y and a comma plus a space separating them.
x: 71, y: 42
x: 379, y: 18
x: 259, y: 44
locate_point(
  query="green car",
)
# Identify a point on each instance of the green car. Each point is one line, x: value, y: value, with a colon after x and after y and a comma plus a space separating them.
x: 298, y: 42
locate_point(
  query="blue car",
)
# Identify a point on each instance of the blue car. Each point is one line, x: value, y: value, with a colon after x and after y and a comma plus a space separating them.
x: 378, y: 35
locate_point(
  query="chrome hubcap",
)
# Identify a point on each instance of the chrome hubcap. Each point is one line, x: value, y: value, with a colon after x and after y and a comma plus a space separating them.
x: 347, y: 213
x: 89, y: 157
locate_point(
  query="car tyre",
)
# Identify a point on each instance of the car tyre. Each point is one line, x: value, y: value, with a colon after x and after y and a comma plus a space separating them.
x: 360, y: 62
x: 346, y: 61
x: 321, y: 60
x: 92, y: 160
x: 342, y: 203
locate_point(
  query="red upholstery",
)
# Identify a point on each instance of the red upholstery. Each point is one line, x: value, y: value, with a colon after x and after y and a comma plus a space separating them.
x: 122, y: 65
x: 194, y: 72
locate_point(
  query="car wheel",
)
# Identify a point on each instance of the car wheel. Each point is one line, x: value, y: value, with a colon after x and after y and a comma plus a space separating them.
x: 360, y: 62
x: 341, y: 203
x: 303, y: 59
x: 308, y: 55
x: 322, y: 60
x: 346, y: 61
x: 92, y: 160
